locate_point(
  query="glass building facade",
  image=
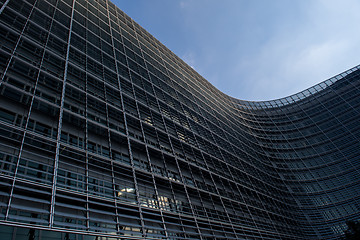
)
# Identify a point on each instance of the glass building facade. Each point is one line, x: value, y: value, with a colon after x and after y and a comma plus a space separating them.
x: 106, y: 134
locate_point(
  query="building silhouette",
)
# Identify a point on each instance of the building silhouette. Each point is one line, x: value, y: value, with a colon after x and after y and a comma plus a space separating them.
x: 106, y: 134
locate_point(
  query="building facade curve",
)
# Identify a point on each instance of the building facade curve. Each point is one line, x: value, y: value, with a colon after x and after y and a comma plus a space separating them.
x: 107, y: 134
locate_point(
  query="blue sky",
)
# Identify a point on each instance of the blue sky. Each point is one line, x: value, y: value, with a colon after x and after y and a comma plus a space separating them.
x: 256, y: 49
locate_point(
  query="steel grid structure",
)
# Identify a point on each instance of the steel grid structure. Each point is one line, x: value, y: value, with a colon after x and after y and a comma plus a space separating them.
x: 106, y: 134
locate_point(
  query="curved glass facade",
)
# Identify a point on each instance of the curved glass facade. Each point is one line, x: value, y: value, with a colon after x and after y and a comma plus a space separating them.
x: 106, y: 134
x: 312, y: 140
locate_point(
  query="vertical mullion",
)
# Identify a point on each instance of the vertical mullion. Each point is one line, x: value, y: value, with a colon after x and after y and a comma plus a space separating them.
x: 109, y: 137
x: 148, y: 159
x: 27, y: 120
x: 3, y: 6
x: 57, y: 152
x: 18, y: 41
x: 127, y: 131
x: 177, y: 163
x: 86, y: 136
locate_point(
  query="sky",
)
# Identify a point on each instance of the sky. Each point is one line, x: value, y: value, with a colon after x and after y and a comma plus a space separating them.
x: 256, y: 49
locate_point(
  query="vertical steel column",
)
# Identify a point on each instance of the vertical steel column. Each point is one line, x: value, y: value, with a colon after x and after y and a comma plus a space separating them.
x: 28, y: 117
x: 57, y: 152
x: 127, y: 132
x: 109, y: 134
x: 147, y: 152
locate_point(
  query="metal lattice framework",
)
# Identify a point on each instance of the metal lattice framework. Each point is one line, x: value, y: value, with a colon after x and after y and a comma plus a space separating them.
x: 106, y: 134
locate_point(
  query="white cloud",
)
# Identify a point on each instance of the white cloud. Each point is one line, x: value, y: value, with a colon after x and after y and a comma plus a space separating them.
x: 323, y: 44
x: 189, y: 58
x: 182, y: 4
